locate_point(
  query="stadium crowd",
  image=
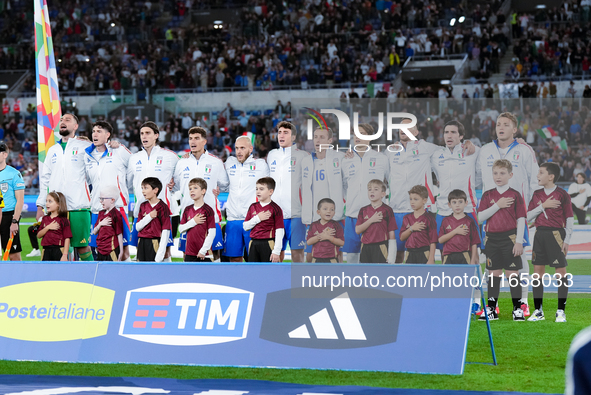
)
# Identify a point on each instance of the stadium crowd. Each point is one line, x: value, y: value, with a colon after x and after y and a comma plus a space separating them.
x: 559, y: 48
x: 98, y: 44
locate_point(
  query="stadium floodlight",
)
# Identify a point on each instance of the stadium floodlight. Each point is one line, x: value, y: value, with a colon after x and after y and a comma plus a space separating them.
x: 3, y: 86
x: 452, y: 22
x: 445, y: 82
x: 112, y: 24
x: 462, y: 19
x: 87, y: 59
x: 59, y: 60
x: 218, y: 24
x: 541, y: 6
x: 113, y: 97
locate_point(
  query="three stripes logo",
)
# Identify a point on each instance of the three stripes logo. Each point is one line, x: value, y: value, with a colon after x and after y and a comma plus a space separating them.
x: 322, y: 324
x: 349, y: 318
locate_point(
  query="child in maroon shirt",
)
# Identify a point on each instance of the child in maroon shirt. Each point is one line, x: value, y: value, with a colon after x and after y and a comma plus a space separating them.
x: 109, y: 227
x: 264, y: 219
x: 551, y: 208
x: 325, y: 235
x: 458, y: 232
x: 198, y: 220
x: 503, y: 209
x: 55, y: 229
x: 376, y: 225
x: 419, y: 228
x: 153, y: 223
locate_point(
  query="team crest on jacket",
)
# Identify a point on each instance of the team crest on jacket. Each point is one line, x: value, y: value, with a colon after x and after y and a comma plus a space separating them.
x: 516, y: 155
x: 415, y: 151
x: 159, y: 160
x: 75, y: 151
x: 293, y: 162
x: 335, y: 163
x: 208, y: 168
x: 372, y: 162
x: 252, y: 167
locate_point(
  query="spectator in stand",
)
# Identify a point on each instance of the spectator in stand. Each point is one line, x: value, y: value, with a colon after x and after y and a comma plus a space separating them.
x: 580, y: 193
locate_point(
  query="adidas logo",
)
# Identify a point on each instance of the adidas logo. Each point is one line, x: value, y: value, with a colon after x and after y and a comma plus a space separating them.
x: 366, y: 217
x: 233, y: 167
x: 492, y: 201
x: 490, y: 157
x: 306, y: 169
x: 54, y: 155
x: 441, y: 156
x: 302, y: 244
x: 322, y: 324
x: 512, y: 265
x: 448, y: 227
x: 555, y: 262
x: 274, y: 163
x: 346, y: 319
x: 219, y: 244
x: 186, y: 169
x: 83, y: 241
x: 139, y: 162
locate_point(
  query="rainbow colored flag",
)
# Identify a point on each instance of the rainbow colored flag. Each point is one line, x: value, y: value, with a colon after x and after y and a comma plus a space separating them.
x: 48, y: 100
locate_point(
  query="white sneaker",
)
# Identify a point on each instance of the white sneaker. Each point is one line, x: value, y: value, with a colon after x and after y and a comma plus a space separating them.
x: 538, y: 315
x: 560, y: 316
x: 518, y: 315
x: 33, y: 253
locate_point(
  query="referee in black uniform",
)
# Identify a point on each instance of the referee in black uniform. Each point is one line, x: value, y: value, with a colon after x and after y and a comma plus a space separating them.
x: 12, y: 186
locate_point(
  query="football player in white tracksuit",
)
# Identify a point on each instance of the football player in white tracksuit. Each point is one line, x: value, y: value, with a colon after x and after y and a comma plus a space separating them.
x: 360, y: 167
x: 64, y: 171
x: 525, y: 171
x: 322, y: 177
x: 455, y: 170
x: 243, y: 172
x: 151, y: 161
x: 108, y: 167
x: 410, y: 165
x: 202, y: 164
x: 285, y: 167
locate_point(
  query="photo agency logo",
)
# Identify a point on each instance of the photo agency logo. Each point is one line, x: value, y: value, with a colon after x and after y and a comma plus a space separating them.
x: 395, y: 121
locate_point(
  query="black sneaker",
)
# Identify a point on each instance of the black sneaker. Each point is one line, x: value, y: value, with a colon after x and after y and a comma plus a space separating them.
x: 518, y: 315
x: 492, y: 315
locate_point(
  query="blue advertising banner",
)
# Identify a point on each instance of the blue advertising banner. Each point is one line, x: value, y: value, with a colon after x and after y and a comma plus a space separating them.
x: 239, y: 315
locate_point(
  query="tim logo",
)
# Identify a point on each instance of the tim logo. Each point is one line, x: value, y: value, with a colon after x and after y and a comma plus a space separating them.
x: 186, y: 314
x: 350, y: 319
